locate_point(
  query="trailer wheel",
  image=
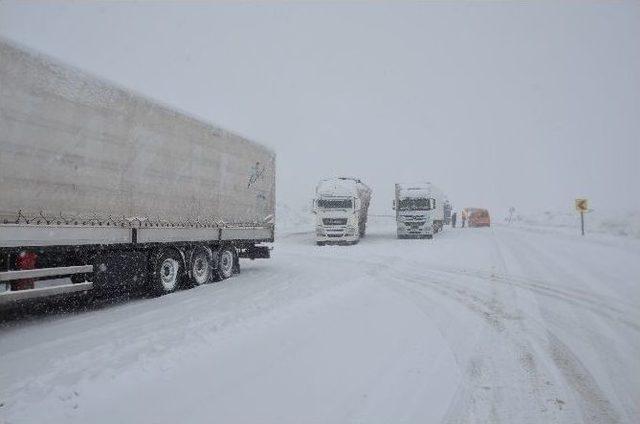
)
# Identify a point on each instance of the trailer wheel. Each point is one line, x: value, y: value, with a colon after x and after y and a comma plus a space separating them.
x: 200, y: 268
x: 166, y: 273
x: 236, y: 264
x: 226, y: 258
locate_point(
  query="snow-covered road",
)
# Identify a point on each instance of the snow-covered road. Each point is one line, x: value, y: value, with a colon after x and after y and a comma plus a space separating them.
x: 495, y: 325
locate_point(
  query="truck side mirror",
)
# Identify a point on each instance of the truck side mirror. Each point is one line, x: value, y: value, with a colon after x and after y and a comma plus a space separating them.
x: 313, y: 205
x: 394, y: 205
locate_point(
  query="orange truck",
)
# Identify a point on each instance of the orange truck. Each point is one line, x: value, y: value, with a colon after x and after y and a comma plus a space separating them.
x: 477, y: 217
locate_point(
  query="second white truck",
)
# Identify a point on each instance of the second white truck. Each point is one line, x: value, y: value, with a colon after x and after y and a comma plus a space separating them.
x: 341, y: 206
x: 419, y: 210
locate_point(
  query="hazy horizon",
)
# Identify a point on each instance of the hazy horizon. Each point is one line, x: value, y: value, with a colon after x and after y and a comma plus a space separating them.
x: 498, y: 103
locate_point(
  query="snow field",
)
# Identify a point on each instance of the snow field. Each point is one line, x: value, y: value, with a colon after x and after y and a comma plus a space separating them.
x: 477, y: 325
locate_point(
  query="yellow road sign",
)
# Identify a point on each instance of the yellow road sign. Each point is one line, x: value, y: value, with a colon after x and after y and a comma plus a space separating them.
x: 582, y: 205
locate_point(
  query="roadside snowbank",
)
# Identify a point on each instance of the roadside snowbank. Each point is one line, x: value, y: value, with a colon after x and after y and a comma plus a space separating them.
x: 617, y: 224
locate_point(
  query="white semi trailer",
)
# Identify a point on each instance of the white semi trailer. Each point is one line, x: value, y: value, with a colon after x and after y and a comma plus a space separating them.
x: 101, y: 188
x: 341, y: 206
x: 419, y: 209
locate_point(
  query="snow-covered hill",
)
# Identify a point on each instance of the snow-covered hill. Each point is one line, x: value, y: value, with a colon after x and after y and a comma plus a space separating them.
x: 615, y: 224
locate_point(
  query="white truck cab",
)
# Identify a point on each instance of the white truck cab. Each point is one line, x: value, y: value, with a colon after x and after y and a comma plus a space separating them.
x: 419, y: 210
x: 341, y: 206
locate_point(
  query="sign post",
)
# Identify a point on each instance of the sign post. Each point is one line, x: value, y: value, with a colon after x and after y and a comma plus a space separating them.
x: 582, y: 206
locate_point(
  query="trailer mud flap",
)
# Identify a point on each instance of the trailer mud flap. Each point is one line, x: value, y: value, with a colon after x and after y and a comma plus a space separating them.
x: 255, y: 252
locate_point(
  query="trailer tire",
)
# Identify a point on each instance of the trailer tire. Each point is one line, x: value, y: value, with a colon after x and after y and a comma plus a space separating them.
x: 225, y: 265
x: 166, y: 272
x: 201, y: 267
x: 320, y: 243
x: 236, y: 263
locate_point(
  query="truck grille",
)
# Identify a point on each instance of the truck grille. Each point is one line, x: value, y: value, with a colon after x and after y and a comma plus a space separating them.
x: 334, y: 221
x: 414, y: 220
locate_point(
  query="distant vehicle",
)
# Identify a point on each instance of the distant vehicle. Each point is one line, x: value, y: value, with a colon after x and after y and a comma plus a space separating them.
x: 419, y: 209
x: 477, y: 217
x: 102, y: 188
x: 341, y: 206
x: 447, y: 212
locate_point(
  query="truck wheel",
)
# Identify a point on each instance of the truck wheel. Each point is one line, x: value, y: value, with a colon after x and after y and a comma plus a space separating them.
x: 236, y: 264
x: 200, y: 268
x: 320, y: 243
x: 166, y: 272
x: 226, y: 258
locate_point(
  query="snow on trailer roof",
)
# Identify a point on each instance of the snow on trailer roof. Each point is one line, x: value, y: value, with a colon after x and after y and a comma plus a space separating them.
x: 338, y: 187
x: 342, y: 187
x: 415, y: 190
x: 415, y: 193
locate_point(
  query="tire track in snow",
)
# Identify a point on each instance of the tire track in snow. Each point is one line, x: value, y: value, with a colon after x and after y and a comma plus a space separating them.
x: 488, y: 382
x: 595, y: 406
x: 582, y: 299
x: 474, y: 397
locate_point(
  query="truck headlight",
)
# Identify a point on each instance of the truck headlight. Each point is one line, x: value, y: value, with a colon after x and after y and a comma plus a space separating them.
x: 319, y: 231
x: 350, y: 230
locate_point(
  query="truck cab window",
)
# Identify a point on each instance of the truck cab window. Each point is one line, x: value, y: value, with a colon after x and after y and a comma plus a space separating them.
x: 414, y: 204
x: 335, y: 203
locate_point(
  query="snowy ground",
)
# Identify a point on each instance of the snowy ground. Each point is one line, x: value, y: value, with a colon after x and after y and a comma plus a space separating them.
x: 478, y: 325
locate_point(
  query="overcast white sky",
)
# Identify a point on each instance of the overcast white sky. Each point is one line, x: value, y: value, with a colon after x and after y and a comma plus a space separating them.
x: 499, y: 103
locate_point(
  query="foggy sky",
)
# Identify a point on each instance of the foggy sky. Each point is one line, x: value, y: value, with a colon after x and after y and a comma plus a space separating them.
x: 498, y: 103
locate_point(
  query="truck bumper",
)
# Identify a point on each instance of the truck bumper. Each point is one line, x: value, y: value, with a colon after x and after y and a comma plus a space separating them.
x: 413, y: 231
x: 336, y: 235
x: 337, y: 240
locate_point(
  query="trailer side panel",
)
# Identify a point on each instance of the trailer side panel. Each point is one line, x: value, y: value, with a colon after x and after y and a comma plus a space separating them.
x: 75, y: 148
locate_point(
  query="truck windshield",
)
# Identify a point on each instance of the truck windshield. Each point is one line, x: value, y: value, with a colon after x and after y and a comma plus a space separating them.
x: 413, y: 204
x: 335, y: 203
